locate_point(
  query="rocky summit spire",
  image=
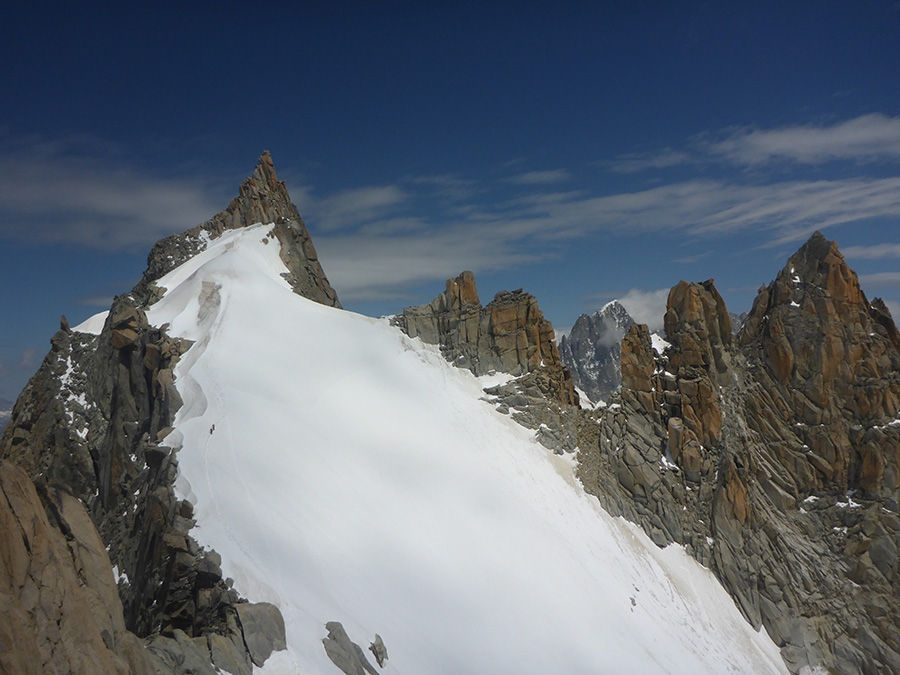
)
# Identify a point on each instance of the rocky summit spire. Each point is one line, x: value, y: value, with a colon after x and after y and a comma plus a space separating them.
x: 774, y: 457
x: 262, y: 198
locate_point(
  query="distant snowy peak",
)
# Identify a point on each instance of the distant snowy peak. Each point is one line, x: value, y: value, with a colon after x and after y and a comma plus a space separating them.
x: 615, y: 313
x: 262, y: 198
x: 592, y: 350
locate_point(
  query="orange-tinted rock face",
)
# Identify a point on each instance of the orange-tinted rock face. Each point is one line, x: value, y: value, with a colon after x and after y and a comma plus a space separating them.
x: 831, y: 362
x: 699, y: 329
x: 637, y: 359
x: 774, y: 457
x: 509, y: 335
x: 57, y: 596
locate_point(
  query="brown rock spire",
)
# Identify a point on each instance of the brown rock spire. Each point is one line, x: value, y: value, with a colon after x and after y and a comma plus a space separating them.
x: 262, y: 198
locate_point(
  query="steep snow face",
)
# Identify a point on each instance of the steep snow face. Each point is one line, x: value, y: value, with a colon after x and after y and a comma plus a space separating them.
x: 93, y: 325
x: 347, y: 473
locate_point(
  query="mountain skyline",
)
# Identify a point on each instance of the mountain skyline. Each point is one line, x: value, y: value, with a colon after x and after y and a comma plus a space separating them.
x: 583, y: 154
x: 210, y: 399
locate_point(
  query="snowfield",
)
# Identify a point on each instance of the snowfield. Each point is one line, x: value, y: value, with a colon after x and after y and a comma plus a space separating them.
x: 348, y: 473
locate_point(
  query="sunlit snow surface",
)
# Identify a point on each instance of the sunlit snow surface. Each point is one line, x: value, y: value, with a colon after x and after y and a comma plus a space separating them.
x: 354, y: 476
x: 93, y: 325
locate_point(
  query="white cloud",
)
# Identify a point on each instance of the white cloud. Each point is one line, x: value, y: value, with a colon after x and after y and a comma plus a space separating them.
x: 377, y: 241
x: 876, y: 252
x: 648, y: 307
x: 781, y: 212
x: 541, y: 177
x: 880, y: 280
x: 368, y: 268
x: 868, y: 138
x: 50, y: 195
x: 352, y: 207
x: 375, y: 258
x: 28, y: 359
x: 99, y: 301
x: 632, y: 163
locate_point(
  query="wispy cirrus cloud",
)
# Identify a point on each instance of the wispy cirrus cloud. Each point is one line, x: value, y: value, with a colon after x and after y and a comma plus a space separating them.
x: 52, y: 194
x: 875, y: 252
x: 868, y: 138
x: 369, y: 259
x: 865, y: 139
x: 377, y: 240
x: 541, y: 177
x: 880, y: 279
x: 355, y: 206
x: 633, y: 163
x: 371, y: 267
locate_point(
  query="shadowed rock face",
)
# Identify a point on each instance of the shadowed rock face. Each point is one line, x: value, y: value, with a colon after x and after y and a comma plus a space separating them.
x: 773, y: 457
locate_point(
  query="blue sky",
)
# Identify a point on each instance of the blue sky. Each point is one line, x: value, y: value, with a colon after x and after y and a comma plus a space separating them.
x: 582, y: 151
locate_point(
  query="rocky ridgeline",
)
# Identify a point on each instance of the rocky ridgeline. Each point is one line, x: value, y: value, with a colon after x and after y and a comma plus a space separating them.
x: 508, y: 335
x: 592, y: 350
x: 262, y: 199
x: 773, y: 456
x: 88, y: 429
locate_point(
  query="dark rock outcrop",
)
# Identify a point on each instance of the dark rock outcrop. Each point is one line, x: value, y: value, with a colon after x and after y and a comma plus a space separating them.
x: 772, y: 456
x: 92, y: 422
x: 592, y: 350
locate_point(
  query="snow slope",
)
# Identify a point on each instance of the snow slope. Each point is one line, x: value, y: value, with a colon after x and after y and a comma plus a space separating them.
x: 354, y: 476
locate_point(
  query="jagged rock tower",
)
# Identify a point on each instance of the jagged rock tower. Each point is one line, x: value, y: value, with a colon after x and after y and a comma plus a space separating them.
x: 508, y: 335
x: 87, y: 429
x: 774, y: 458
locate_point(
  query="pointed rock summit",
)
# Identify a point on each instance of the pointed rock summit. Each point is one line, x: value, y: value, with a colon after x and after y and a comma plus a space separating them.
x: 262, y: 198
x: 773, y: 456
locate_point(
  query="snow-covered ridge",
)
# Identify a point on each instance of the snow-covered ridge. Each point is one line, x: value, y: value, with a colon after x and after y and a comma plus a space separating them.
x: 93, y: 324
x: 347, y: 473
